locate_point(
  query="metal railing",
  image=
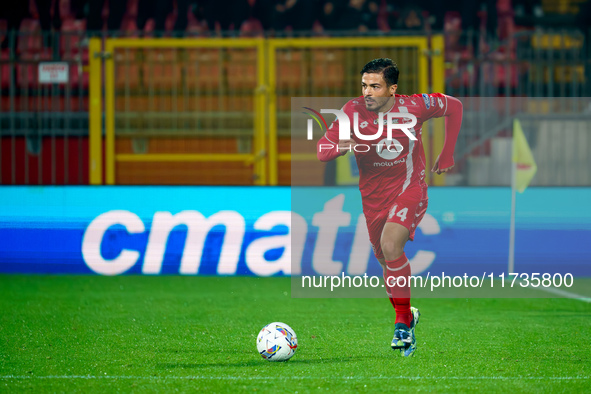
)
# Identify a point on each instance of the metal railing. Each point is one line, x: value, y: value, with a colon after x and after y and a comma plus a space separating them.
x: 43, y: 127
x: 180, y: 111
x: 209, y: 111
x: 526, y: 64
x: 216, y: 111
x: 557, y: 130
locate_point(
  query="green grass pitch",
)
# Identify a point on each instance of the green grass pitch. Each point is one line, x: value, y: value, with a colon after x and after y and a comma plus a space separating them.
x: 159, y: 334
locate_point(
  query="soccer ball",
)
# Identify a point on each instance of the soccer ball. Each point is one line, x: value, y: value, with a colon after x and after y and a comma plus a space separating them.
x: 277, y: 342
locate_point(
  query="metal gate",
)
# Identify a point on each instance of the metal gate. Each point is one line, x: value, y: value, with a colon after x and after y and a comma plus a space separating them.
x: 181, y: 111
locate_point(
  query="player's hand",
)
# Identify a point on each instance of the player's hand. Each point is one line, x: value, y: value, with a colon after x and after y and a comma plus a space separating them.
x: 345, y: 145
x: 438, y: 170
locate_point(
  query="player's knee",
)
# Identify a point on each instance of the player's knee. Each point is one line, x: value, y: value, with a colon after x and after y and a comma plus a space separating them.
x: 392, y: 250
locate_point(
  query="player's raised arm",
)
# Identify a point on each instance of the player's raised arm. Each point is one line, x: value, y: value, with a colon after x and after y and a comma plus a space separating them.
x: 329, y: 147
x: 453, y: 121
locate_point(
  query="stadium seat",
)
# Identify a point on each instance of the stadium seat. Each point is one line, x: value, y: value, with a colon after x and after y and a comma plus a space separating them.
x: 181, y: 145
x: 452, y: 27
x: 180, y: 103
x: 72, y: 33
x: 30, y: 36
x: 78, y: 77
x: 203, y: 69
x: 291, y: 71
x: 27, y: 75
x: 309, y: 172
x: 242, y: 69
x: 328, y: 71
x: 127, y: 69
x: 183, y: 173
x: 48, y: 165
x: 284, y: 103
x: 161, y: 69
x: 5, y: 70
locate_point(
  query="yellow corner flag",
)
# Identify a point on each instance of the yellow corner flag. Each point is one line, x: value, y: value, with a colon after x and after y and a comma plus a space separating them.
x: 525, y: 165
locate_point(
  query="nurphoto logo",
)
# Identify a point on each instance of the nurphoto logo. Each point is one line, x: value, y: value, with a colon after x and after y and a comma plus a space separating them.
x: 388, y: 148
x: 345, y: 124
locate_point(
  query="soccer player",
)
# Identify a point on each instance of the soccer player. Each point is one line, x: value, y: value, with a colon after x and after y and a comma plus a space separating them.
x: 392, y: 175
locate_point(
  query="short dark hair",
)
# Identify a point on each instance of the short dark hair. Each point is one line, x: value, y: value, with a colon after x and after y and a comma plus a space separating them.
x: 384, y: 66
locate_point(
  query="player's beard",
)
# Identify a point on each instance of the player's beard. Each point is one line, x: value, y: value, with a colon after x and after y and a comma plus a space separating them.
x: 378, y: 104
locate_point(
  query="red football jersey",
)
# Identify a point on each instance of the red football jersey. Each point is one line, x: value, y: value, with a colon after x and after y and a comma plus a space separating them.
x: 388, y: 168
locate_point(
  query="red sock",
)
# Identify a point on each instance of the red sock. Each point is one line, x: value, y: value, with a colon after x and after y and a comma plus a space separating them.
x: 388, y: 292
x: 400, y: 291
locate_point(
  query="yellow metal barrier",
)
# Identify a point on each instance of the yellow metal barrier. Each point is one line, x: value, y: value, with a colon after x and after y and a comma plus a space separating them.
x: 162, y: 112
x: 95, y: 121
x: 434, y: 136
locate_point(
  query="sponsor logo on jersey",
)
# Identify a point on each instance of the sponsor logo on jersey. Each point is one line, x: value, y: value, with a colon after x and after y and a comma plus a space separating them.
x: 395, y: 120
x: 389, y: 149
x: 426, y: 98
x: 440, y: 102
x: 401, y: 101
x: 363, y: 125
x: 389, y: 163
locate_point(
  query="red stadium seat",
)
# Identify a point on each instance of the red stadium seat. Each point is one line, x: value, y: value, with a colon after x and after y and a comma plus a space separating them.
x: 291, y: 71
x: 30, y: 36
x: 5, y: 73
x: 161, y: 69
x: 329, y: 69
x: 71, y: 37
x: 203, y: 69
x: 127, y: 68
x: 242, y: 69
x: 452, y: 27
x: 78, y: 76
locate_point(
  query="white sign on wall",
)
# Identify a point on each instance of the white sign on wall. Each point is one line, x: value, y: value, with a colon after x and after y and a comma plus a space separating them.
x: 53, y: 72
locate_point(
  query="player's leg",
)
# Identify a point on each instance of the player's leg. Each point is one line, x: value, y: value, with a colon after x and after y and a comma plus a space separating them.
x: 375, y: 225
x: 382, y: 262
x: 403, y: 219
x: 397, y: 269
x: 375, y: 222
x: 397, y: 273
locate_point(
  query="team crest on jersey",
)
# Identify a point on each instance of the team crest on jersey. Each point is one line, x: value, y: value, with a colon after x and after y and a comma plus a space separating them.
x: 426, y: 98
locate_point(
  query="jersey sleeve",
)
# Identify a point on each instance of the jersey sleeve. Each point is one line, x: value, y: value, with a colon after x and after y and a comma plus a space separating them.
x: 331, y: 137
x: 453, y: 123
x: 332, y: 134
x: 433, y: 105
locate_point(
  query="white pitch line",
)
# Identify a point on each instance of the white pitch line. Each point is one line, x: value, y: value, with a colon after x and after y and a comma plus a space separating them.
x: 563, y: 293
x: 22, y: 377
